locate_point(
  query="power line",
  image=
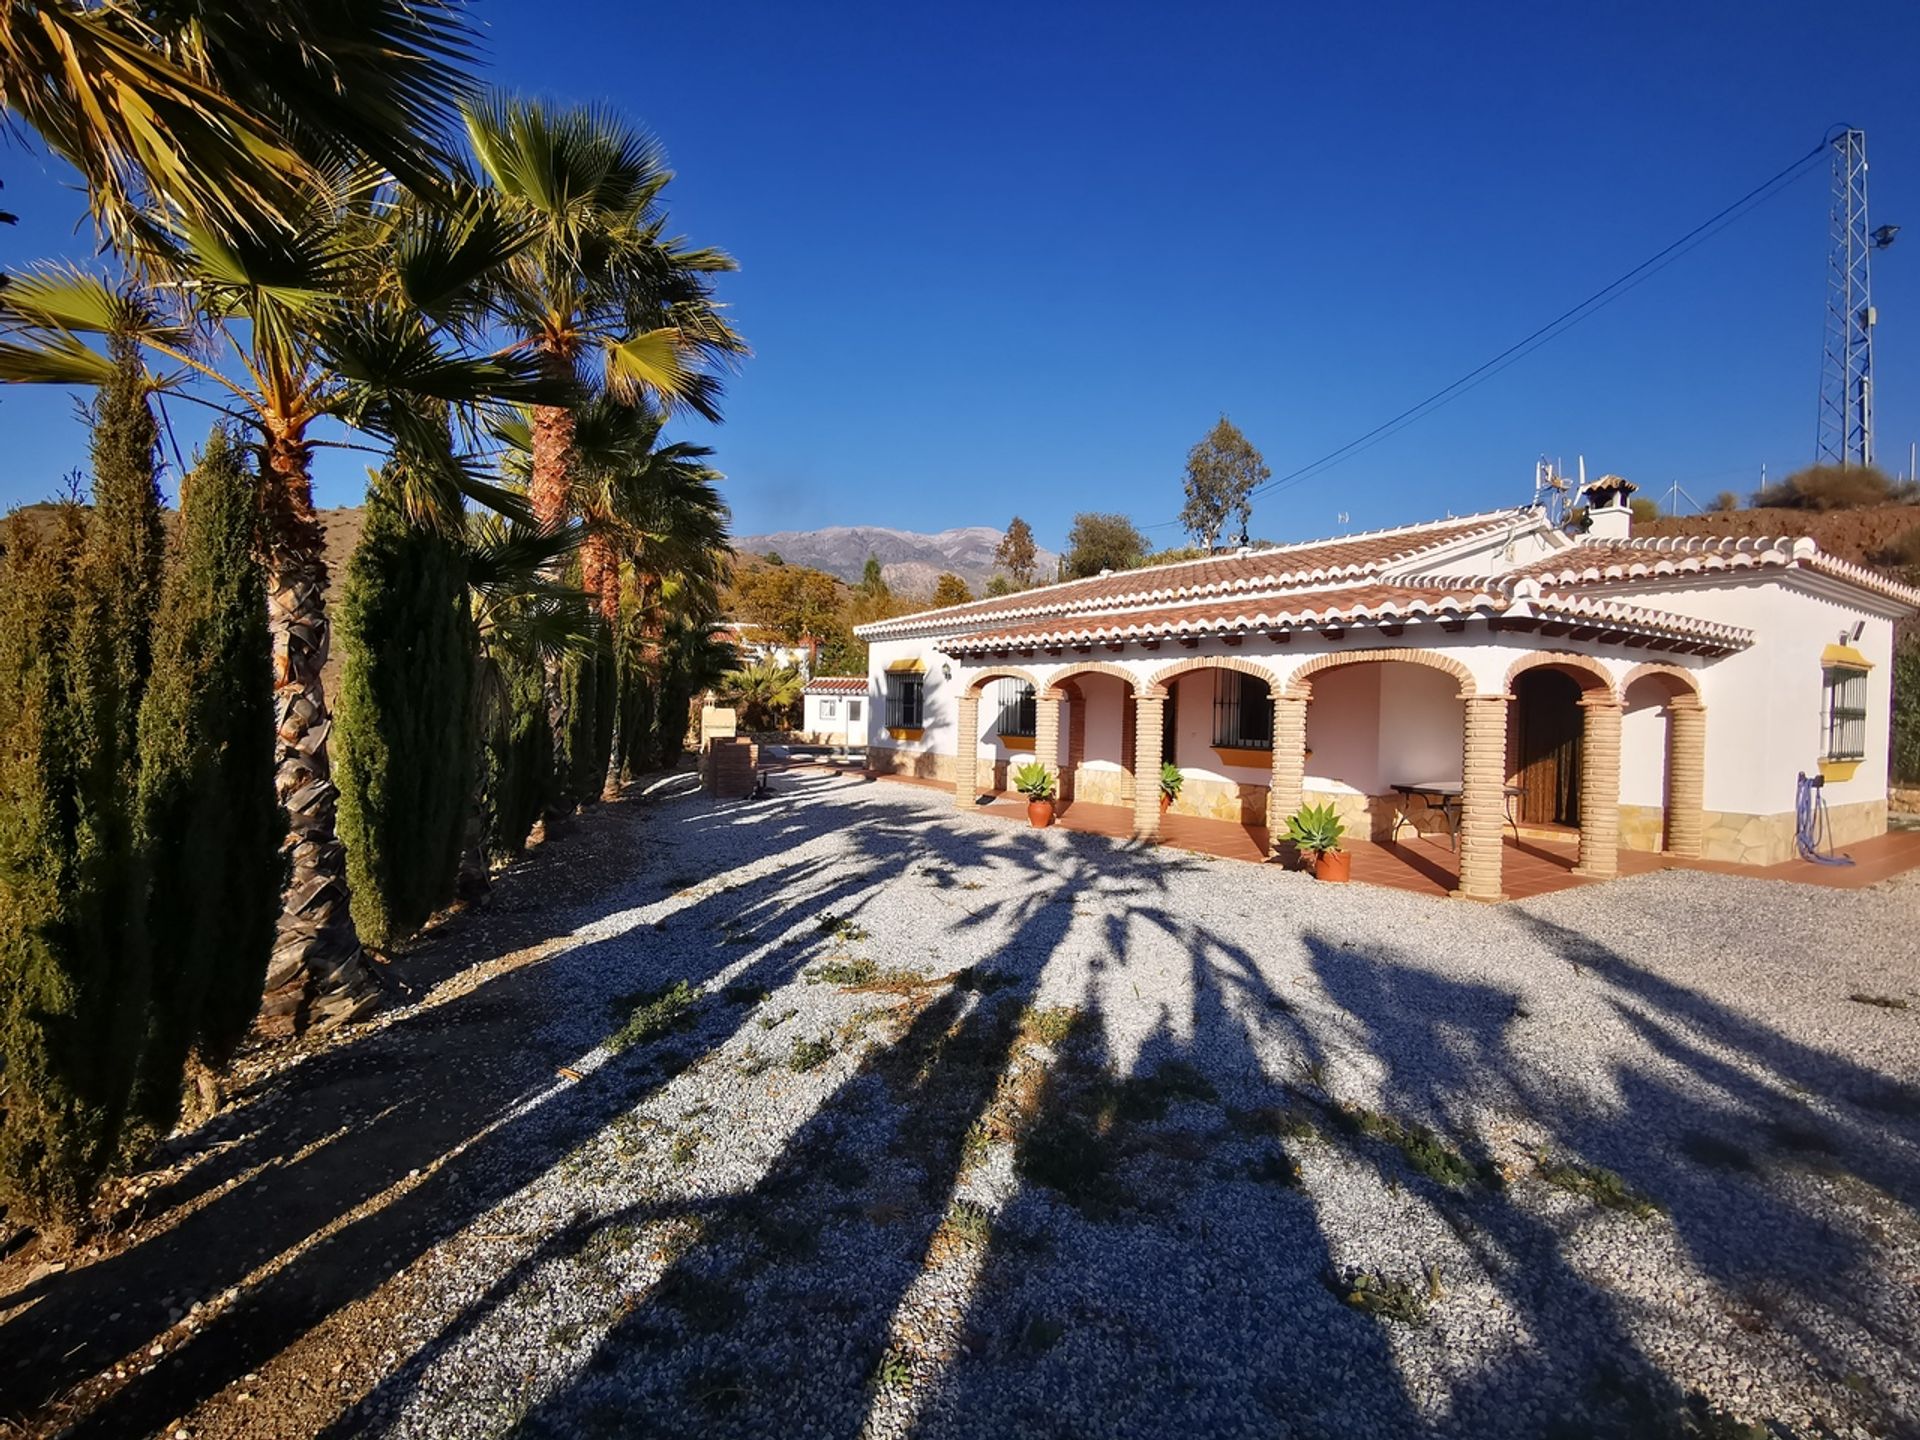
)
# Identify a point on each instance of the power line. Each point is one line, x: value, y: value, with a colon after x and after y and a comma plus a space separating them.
x: 1554, y: 328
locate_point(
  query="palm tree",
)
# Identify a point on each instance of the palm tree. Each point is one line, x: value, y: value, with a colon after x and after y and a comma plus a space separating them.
x: 226, y: 110
x: 764, y: 693
x: 331, y: 318
x: 602, y: 296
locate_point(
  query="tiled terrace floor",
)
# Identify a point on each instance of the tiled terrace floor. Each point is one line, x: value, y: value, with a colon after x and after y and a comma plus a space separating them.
x: 1430, y: 866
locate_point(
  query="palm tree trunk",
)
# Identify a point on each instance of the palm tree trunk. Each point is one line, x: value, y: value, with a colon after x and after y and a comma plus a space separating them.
x: 318, y: 976
x: 550, y: 493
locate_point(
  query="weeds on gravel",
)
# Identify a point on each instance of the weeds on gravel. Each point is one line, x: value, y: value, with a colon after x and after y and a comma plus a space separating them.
x: 685, y: 1146
x: 741, y: 993
x: 1426, y: 1152
x: 846, y: 931
x: 1385, y: 1299
x: 1048, y: 1025
x: 1596, y: 1183
x: 843, y: 970
x: 1885, y: 1002
x: 810, y: 1055
x: 1066, y: 1155
x: 653, y: 1014
x: 1282, y: 1120
x: 894, y: 1371
x: 752, y: 1062
x: 966, y: 1225
x: 1272, y: 1167
x: 771, y: 1022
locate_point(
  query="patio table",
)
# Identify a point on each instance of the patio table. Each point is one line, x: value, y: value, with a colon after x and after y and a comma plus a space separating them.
x: 1444, y: 796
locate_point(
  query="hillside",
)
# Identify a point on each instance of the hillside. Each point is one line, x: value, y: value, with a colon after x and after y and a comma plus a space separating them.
x: 910, y: 561
x: 1856, y: 535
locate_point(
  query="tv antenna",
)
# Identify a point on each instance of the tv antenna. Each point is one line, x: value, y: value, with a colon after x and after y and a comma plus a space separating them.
x: 1846, y: 368
x: 1549, y: 489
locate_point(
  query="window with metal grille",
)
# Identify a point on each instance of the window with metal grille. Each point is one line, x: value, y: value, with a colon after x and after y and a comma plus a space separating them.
x: 1846, y: 694
x: 1019, y: 714
x: 905, y: 701
x: 1242, y: 712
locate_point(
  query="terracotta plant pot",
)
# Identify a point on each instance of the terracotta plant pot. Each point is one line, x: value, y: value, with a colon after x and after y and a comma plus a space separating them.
x: 1040, y: 813
x: 1166, y: 803
x: 1336, y: 865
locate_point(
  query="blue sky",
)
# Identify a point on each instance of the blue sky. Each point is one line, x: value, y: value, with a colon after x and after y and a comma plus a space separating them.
x: 1017, y: 259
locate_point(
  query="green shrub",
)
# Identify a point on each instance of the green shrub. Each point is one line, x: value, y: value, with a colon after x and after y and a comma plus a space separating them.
x: 1906, y: 711
x: 1171, y: 780
x: 1831, y: 487
x: 403, y: 724
x: 206, y: 800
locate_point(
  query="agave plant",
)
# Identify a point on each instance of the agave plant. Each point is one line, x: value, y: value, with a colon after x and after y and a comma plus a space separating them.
x: 1316, y: 829
x: 1034, y: 780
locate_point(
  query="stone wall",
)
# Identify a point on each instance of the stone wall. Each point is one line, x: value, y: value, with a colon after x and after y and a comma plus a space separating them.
x: 1770, y: 839
x: 923, y: 765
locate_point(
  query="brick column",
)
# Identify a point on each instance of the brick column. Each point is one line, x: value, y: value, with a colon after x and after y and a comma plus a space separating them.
x: 1076, y: 737
x: 966, y: 753
x: 1289, y: 766
x: 1483, y: 804
x: 1686, y: 776
x: 1599, y: 787
x: 1150, y: 713
x: 1046, y: 732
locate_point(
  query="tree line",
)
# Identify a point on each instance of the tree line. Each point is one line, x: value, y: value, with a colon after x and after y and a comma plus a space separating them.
x: 318, y: 227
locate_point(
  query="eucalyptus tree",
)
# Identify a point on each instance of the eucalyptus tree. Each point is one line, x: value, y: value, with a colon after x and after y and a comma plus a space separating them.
x: 352, y: 313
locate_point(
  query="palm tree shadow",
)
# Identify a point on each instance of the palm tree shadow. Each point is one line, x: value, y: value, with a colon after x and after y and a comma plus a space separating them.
x: 373, y: 1155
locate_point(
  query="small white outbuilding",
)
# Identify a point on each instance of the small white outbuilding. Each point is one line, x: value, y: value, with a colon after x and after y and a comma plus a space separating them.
x: 834, y: 710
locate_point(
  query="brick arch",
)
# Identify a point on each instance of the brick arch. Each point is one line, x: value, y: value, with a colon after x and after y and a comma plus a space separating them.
x: 1685, y: 681
x: 1592, y: 676
x: 979, y: 684
x: 1095, y: 667
x: 1158, y: 684
x: 1298, y: 687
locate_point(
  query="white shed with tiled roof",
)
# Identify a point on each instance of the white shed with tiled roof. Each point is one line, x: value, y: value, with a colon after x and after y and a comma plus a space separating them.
x: 1647, y: 693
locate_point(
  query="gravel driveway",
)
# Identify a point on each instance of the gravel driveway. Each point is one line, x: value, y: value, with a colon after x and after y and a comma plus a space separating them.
x: 959, y: 1129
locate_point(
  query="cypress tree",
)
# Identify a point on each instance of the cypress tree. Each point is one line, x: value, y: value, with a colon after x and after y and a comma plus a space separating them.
x: 403, y: 725
x: 206, y: 800
x: 519, y: 754
x: 69, y: 1019
x: 74, y: 658
x: 583, y: 735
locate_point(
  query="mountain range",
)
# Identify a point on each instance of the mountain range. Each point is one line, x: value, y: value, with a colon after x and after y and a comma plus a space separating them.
x: 910, y: 561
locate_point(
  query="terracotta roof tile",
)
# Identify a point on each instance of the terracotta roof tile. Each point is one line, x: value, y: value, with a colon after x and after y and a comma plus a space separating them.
x: 1661, y: 557
x: 1351, y: 557
x: 1402, y: 602
x: 836, y: 685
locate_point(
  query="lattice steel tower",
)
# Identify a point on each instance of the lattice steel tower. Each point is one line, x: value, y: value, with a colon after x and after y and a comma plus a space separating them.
x: 1846, y: 372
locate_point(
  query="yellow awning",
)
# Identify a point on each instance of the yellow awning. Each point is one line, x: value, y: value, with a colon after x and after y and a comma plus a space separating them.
x: 1845, y: 655
x: 907, y: 667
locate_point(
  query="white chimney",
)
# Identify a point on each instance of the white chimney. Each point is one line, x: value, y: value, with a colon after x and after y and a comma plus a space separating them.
x: 1609, y: 508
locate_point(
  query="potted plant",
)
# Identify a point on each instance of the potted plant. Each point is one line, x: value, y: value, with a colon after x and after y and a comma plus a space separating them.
x: 1316, y: 831
x: 1170, y: 782
x: 1035, y: 781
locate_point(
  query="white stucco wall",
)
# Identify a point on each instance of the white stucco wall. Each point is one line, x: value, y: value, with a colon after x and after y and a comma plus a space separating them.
x: 1105, y: 700
x: 1763, y: 704
x: 1764, y: 720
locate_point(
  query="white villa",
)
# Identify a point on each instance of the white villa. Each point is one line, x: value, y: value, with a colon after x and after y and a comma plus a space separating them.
x: 1474, y: 674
